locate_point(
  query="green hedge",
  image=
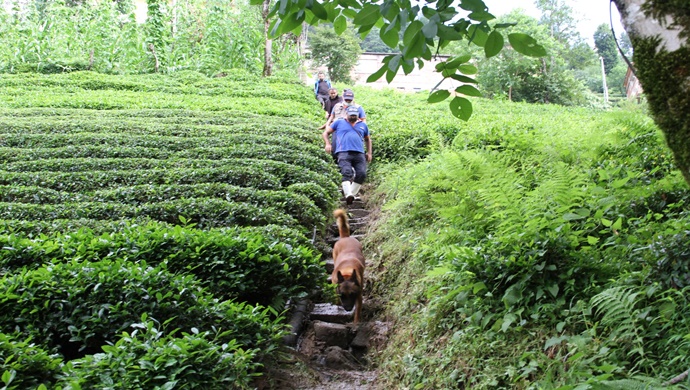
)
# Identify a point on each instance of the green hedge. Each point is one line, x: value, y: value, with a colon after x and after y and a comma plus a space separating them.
x: 25, y: 365
x: 43, y: 229
x: 80, y: 306
x: 204, y: 212
x: 240, y: 263
x: 260, y: 174
x: 295, y: 205
x: 146, y: 358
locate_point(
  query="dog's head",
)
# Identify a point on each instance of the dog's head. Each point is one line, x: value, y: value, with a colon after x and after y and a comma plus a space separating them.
x: 349, y: 289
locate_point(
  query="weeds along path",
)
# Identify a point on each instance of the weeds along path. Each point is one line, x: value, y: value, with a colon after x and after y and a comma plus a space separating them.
x: 327, y: 351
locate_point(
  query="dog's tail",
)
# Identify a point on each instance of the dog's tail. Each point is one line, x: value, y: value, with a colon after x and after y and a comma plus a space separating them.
x: 341, y: 220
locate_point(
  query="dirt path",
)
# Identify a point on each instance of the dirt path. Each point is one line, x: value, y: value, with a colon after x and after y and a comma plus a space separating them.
x: 327, y: 352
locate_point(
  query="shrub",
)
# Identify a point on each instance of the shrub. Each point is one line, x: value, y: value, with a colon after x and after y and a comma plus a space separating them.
x: 233, y: 263
x: 24, y: 365
x: 78, y: 307
x: 147, y: 358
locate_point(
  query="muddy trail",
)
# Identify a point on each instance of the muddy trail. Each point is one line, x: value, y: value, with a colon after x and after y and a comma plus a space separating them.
x: 325, y: 350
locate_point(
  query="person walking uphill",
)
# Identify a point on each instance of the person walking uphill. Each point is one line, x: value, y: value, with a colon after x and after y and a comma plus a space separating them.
x: 353, y: 141
x: 321, y: 88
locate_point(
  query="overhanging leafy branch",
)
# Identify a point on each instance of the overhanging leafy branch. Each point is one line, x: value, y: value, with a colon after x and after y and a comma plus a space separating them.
x: 427, y: 28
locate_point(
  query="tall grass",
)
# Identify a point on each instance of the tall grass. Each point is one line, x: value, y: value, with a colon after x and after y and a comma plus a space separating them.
x: 205, y: 36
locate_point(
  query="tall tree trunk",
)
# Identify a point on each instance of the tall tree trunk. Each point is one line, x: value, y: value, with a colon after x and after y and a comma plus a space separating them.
x: 268, y: 51
x: 659, y: 31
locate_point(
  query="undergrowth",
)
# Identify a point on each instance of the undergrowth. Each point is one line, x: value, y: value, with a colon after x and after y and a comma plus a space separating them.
x: 543, y: 248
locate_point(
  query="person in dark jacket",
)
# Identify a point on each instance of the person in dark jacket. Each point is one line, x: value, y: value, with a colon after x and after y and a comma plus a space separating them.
x: 321, y: 88
x: 333, y: 99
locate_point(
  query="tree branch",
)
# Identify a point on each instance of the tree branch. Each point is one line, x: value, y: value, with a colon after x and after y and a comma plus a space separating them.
x: 677, y: 379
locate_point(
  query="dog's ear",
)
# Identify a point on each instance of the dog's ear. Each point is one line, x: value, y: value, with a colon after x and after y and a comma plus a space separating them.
x: 340, y: 277
x: 354, y: 276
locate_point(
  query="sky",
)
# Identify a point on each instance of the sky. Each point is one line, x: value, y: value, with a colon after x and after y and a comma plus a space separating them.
x: 588, y: 13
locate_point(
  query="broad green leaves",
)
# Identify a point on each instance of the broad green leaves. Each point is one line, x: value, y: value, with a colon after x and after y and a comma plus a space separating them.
x: 426, y: 28
x: 524, y: 44
x: 494, y: 44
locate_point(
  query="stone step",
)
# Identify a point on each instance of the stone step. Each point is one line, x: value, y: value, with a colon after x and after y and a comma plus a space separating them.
x: 356, y: 213
x: 330, y: 265
x: 328, y: 312
x: 354, y: 227
x: 332, y: 334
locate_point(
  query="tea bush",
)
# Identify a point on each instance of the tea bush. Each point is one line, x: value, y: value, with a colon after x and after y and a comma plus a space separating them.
x: 148, y: 358
x: 25, y: 365
x: 80, y: 306
x: 142, y: 218
x: 238, y: 264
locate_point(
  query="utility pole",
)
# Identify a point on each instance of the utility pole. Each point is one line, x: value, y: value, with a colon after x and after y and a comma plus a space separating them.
x: 603, y: 80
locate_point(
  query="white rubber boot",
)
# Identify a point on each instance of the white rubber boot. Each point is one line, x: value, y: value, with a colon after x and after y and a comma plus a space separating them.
x: 347, y: 189
x: 355, y: 189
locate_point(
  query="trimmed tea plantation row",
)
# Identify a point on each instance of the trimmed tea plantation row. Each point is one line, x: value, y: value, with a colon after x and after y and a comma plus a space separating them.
x: 147, y: 246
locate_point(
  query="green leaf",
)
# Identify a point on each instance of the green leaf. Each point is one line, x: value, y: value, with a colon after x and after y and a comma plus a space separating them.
x: 390, y: 75
x: 585, y: 212
x: 553, y: 341
x: 390, y: 11
x: 318, y: 9
x: 394, y: 63
x: 390, y: 36
x: 408, y: 66
x: 377, y: 75
x: 473, y: 5
x: 8, y: 376
x: 508, y: 319
x: 560, y: 326
x: 512, y: 295
x: 412, y: 32
x: 467, y: 69
x: 256, y: 2
x: 468, y: 90
x: 438, y: 96
x: 431, y: 27
x: 504, y: 25
x: 553, y: 289
x: 339, y: 24
x: 481, y: 16
x: 478, y: 286
x: 606, y: 222
x: 349, y: 13
x: 477, y: 35
x: 463, y: 78
x: 620, y: 182
x: 524, y: 44
x: 591, y: 240
x: 572, y: 216
x: 461, y: 108
x: 494, y: 44
x: 618, y: 224
x: 457, y: 61
x: 291, y: 22
x: 414, y: 40
x: 449, y: 33
x: 368, y: 15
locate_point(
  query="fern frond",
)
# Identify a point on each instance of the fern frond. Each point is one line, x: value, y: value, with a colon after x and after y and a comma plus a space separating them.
x: 616, y: 306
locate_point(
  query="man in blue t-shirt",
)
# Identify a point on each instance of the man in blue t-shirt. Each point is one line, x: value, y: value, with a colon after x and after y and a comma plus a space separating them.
x: 353, y: 142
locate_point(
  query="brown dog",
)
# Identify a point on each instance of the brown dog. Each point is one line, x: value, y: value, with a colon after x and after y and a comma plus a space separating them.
x: 348, y: 270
